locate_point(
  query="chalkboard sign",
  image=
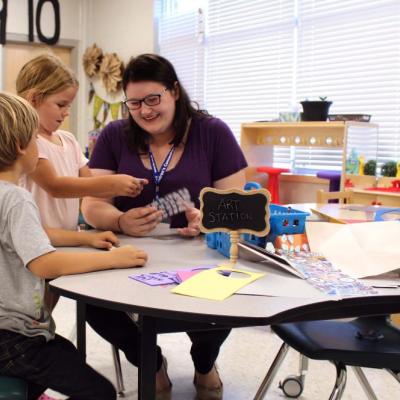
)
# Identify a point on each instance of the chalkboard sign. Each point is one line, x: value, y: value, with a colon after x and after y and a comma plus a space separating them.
x: 235, y: 210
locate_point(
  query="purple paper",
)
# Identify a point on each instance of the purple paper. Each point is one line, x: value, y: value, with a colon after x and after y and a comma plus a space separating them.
x: 156, y: 278
x: 168, y: 277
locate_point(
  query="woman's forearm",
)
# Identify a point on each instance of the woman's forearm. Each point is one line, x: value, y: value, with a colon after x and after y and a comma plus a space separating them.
x: 100, y: 214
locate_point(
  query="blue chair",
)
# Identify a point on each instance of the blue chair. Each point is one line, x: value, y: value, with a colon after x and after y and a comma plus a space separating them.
x: 370, y: 342
x: 13, y: 388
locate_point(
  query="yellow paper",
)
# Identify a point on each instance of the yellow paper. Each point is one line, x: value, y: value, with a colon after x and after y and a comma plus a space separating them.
x: 211, y: 284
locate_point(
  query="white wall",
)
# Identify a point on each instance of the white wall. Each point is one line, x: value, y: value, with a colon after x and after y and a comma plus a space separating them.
x: 17, y: 20
x: 121, y: 26
x: 124, y: 27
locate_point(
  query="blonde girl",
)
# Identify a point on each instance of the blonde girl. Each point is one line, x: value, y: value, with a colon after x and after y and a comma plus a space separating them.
x: 62, y: 175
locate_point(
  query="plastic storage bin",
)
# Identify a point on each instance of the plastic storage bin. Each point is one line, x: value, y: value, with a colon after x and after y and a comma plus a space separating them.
x: 283, y: 221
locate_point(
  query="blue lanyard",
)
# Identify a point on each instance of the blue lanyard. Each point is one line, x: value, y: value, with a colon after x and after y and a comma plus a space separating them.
x: 158, y: 174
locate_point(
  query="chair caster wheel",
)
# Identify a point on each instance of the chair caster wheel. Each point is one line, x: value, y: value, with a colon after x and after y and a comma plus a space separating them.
x: 292, y: 386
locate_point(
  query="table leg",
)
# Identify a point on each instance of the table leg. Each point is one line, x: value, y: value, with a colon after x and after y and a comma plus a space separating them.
x: 81, y: 328
x: 147, y: 367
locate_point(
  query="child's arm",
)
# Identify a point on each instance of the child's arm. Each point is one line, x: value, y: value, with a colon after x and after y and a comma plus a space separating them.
x: 110, y: 185
x: 100, y: 240
x: 55, y: 264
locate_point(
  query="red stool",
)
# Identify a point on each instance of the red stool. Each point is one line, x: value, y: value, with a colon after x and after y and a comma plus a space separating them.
x: 273, y: 181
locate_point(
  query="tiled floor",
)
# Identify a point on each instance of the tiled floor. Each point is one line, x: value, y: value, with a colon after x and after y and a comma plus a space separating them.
x: 243, y: 362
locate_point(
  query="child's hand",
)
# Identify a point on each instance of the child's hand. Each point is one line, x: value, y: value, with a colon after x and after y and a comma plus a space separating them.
x: 193, y: 228
x: 103, y: 240
x: 125, y: 185
x: 127, y: 257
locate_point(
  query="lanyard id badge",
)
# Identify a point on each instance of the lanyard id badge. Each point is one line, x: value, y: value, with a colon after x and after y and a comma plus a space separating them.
x: 158, y: 174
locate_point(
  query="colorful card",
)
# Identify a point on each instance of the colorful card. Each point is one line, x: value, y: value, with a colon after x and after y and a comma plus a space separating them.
x: 173, y: 203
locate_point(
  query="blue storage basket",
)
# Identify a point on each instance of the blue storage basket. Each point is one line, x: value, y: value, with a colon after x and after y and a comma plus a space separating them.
x: 286, y: 220
x: 283, y: 220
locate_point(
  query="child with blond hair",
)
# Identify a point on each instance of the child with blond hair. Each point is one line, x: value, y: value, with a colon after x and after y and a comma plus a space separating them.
x: 29, y: 347
x: 62, y: 175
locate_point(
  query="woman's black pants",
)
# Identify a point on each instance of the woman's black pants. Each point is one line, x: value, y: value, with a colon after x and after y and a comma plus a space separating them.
x: 118, y: 328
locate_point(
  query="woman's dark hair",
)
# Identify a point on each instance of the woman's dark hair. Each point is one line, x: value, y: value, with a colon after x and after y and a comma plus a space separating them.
x: 152, y: 67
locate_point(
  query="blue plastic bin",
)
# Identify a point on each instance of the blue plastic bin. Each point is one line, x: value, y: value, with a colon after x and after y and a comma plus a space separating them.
x: 283, y: 220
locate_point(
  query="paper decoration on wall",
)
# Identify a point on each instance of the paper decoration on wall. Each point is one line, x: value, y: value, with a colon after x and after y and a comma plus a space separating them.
x: 108, y: 108
x: 92, y: 59
x: 105, y: 72
x: 111, y: 70
x: 108, y: 67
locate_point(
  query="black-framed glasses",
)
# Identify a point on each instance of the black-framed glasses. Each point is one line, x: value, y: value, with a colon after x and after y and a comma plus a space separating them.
x: 150, y: 100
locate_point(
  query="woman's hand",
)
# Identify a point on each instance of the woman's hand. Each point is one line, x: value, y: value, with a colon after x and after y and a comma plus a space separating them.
x: 193, y: 228
x: 102, y: 240
x: 139, y: 221
x: 124, y: 185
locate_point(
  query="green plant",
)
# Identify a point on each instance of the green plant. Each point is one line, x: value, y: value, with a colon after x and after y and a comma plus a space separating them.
x: 370, y: 168
x: 389, y: 168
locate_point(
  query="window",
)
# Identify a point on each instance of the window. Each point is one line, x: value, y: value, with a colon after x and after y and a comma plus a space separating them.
x: 247, y: 61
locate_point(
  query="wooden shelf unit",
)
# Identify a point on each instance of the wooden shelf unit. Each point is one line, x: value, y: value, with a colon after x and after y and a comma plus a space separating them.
x: 258, y: 139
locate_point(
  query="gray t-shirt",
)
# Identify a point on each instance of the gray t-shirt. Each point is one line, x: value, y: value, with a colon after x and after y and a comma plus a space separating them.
x: 22, y: 239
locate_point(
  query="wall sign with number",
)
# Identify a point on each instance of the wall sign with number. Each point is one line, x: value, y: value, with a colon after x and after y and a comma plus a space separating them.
x: 39, y: 7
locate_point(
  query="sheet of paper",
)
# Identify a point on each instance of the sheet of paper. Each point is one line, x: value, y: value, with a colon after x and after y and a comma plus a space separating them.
x: 156, y: 278
x: 216, y: 283
x: 185, y: 274
x: 359, y: 250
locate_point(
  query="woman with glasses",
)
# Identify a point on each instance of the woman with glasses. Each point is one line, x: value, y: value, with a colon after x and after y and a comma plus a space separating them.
x: 173, y: 148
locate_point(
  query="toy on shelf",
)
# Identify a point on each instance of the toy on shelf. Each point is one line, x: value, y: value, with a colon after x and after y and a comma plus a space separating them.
x: 394, y: 188
x: 361, y: 164
x: 352, y: 163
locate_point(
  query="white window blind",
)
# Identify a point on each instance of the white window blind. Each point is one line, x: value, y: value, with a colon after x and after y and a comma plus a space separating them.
x: 261, y: 57
x: 349, y: 50
x: 181, y: 36
x: 250, y: 60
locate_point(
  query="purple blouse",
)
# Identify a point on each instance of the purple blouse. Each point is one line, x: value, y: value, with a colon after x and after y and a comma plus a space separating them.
x: 211, y: 153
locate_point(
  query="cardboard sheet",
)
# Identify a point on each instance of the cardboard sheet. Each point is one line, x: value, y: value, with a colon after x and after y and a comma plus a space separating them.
x: 359, y: 250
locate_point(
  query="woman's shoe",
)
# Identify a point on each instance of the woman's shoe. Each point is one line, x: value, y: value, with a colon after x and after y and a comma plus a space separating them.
x: 205, y: 393
x: 165, y: 394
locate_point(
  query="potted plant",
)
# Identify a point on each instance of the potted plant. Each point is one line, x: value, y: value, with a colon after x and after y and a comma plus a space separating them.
x: 315, y: 110
x: 370, y: 167
x: 389, y: 169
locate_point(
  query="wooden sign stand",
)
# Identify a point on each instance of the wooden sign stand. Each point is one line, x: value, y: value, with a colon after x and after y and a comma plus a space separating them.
x: 234, y: 250
x: 234, y: 211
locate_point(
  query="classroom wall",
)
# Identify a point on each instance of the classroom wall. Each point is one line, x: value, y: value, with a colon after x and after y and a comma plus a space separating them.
x: 121, y: 26
x: 124, y: 27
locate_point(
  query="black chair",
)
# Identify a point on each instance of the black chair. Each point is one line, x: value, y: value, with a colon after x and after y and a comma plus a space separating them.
x: 13, y: 388
x: 371, y: 342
